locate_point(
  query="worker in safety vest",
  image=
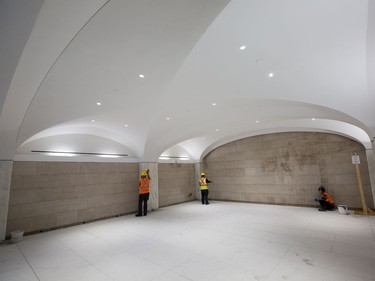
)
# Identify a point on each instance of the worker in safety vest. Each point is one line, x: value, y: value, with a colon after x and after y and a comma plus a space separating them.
x: 144, y: 192
x: 203, y: 183
x: 325, y: 200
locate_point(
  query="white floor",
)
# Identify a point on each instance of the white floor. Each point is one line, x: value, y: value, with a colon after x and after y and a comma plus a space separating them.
x: 221, y: 241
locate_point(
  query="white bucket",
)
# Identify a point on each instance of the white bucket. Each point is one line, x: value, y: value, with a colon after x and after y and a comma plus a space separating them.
x: 16, y: 236
x: 343, y: 209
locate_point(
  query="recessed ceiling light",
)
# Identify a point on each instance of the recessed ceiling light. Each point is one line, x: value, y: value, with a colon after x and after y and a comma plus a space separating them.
x: 271, y: 74
x: 217, y: 130
x: 93, y: 120
x: 141, y: 76
x: 108, y: 156
x: 168, y: 118
x: 243, y: 47
x: 61, y: 154
x: 214, y: 103
x: 126, y: 125
x: 313, y: 119
x: 98, y: 103
x: 257, y: 121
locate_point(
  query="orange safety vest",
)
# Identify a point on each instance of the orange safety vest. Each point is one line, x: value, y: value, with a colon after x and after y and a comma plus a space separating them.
x: 328, y: 198
x: 144, y: 186
x: 203, y: 184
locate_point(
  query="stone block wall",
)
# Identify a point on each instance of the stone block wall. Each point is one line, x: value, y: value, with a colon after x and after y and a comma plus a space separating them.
x: 176, y: 183
x: 47, y: 195
x: 288, y: 168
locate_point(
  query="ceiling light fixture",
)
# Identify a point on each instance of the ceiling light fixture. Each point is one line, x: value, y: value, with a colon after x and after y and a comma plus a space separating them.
x: 126, y: 125
x: 69, y: 153
x: 243, y: 47
x: 167, y: 157
x: 168, y: 118
x: 141, y: 76
x: 257, y: 121
x: 98, y: 103
x: 92, y: 120
x: 61, y: 154
x: 217, y: 130
x: 271, y: 74
x: 214, y: 103
x: 313, y: 119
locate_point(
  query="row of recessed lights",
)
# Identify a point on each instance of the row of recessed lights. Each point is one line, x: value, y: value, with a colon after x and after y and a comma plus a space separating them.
x: 213, y: 104
x: 243, y: 47
x: 99, y: 103
x: 169, y: 118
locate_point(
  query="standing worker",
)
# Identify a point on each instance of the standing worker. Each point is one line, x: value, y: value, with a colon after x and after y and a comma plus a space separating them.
x: 144, y: 192
x: 325, y: 200
x: 203, y: 183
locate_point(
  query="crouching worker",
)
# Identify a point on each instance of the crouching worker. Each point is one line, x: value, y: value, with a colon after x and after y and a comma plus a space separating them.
x: 144, y: 192
x: 325, y: 200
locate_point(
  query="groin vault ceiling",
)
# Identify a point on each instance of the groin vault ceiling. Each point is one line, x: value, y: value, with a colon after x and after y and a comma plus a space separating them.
x: 168, y: 80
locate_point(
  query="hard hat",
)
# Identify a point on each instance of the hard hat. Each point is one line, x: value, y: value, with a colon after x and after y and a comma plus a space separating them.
x: 143, y: 174
x: 203, y: 174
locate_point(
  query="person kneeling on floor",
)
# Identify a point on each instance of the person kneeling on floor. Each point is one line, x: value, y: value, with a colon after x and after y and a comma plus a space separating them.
x: 325, y: 200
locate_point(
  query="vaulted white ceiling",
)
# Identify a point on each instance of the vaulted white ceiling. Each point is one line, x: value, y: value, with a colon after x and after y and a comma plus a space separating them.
x: 72, y: 77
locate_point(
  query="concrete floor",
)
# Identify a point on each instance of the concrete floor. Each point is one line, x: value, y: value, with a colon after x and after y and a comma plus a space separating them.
x: 222, y: 241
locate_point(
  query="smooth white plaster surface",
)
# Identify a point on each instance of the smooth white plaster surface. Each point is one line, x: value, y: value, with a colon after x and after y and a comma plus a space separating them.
x: 194, y: 242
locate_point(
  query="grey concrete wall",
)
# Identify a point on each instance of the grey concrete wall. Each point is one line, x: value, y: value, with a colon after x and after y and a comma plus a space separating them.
x: 5, y: 176
x: 288, y: 168
x: 176, y: 183
x: 45, y: 195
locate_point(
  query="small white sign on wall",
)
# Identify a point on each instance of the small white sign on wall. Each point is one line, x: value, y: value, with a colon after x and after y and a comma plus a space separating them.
x: 355, y: 159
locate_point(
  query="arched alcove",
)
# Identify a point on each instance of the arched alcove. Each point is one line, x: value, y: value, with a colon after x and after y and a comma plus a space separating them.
x: 287, y: 168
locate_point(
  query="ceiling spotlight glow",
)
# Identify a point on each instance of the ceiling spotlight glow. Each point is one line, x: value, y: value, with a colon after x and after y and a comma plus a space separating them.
x: 141, y: 76
x: 217, y: 130
x: 271, y: 74
x: 243, y: 47
x: 168, y: 118
x: 313, y: 119
x: 214, y: 103
x: 92, y: 120
x: 98, y: 103
x: 126, y: 125
x: 257, y: 121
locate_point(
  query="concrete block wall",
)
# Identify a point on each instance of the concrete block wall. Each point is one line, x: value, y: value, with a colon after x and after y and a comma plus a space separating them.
x: 46, y: 195
x: 176, y: 183
x: 288, y: 168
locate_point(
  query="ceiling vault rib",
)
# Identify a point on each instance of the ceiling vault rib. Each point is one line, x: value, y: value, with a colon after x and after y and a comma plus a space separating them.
x: 53, y: 64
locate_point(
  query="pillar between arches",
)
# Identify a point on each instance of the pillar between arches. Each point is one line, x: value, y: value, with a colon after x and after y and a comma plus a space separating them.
x: 5, y: 179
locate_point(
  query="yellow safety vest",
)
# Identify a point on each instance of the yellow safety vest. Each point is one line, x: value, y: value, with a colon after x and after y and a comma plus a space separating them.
x: 203, y: 184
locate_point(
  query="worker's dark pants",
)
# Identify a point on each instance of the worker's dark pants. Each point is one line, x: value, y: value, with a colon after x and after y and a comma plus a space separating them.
x: 143, y: 198
x: 204, y: 193
x: 326, y: 205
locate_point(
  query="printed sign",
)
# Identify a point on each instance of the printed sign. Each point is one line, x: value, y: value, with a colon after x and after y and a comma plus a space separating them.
x: 355, y: 159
